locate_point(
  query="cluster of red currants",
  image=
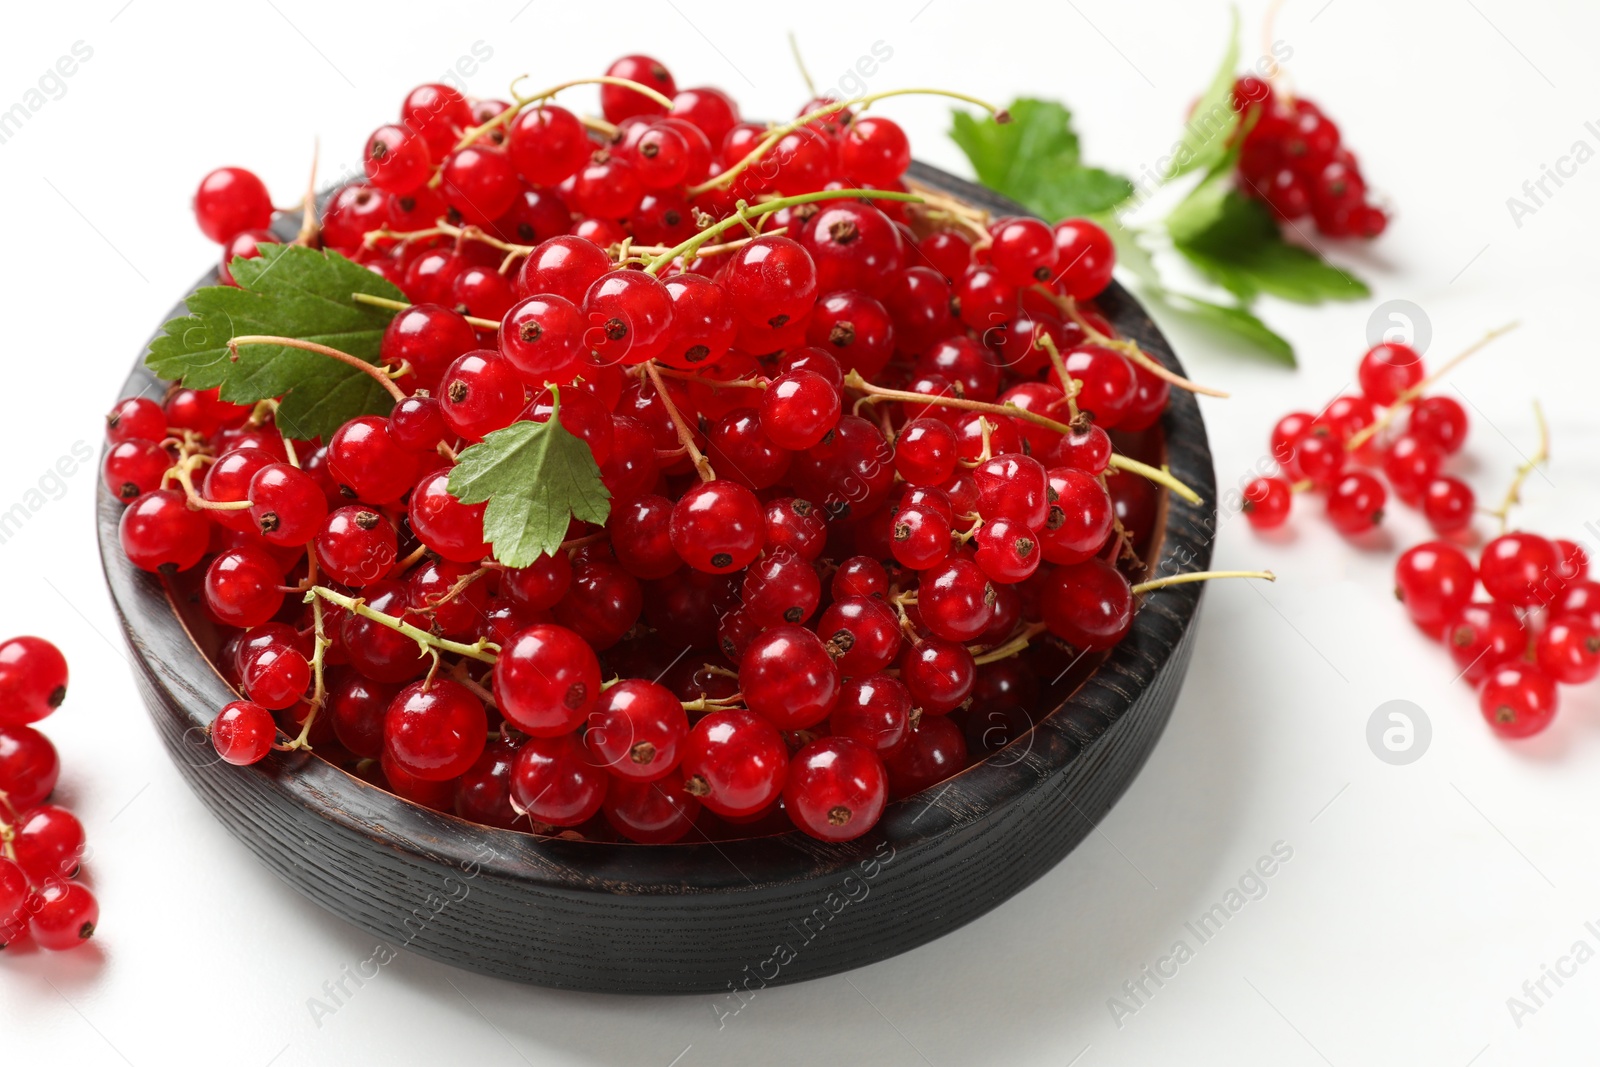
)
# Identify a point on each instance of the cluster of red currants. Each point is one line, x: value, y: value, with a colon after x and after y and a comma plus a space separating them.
x: 1328, y: 452
x: 1292, y: 161
x: 1539, y: 629
x: 857, y: 456
x: 41, y: 845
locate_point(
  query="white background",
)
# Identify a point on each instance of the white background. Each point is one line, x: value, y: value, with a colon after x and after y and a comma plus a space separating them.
x: 1418, y: 899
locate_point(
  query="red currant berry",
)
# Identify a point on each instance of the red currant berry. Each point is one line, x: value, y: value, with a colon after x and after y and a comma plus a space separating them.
x: 428, y: 337
x: 651, y: 813
x: 356, y: 546
x: 1023, y: 250
x: 1079, y: 518
x: 243, y: 587
x: 546, y: 680
x: 637, y: 730
x: 1433, y: 580
x: 555, y: 781
x: 29, y: 767
x: 276, y: 676
x: 243, y: 733
x: 1008, y: 552
x: 836, y: 788
x: 735, y: 762
x: 64, y: 915
x: 1088, y: 605
x: 1355, y: 503
x: 619, y: 102
x: 955, y: 600
x: 933, y: 752
x: 397, y: 160
x: 442, y: 522
x: 1520, y: 569
x: 718, y: 527
x: 548, y: 144
x: 136, y: 418
x: 367, y: 463
x: 435, y: 730
x: 939, y: 674
x: 1084, y: 259
x: 542, y: 337
x: 788, y: 677
x: 1569, y: 651
x: 1482, y: 636
x: 231, y: 199
x: 1267, y: 502
x: 1441, y: 420
x: 562, y: 266
x: 286, y: 504
x: 1387, y: 370
x: 1518, y: 700
x: 795, y: 525
x: 919, y: 537
x: 159, y: 532
x: 875, y: 711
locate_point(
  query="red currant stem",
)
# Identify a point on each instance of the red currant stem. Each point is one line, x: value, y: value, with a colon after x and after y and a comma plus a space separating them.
x: 403, y: 565
x: 1072, y: 386
x: 1159, y: 475
x: 445, y: 229
x: 1129, y: 349
x: 1198, y: 576
x: 853, y: 380
x: 691, y: 376
x: 805, y: 75
x: 1513, y: 495
x: 455, y: 590
x: 184, y: 472
x: 685, y: 436
x: 520, y: 102
x: 479, y: 650
x: 648, y: 252
x: 401, y: 305
x: 377, y: 374
x: 960, y: 209
x: 778, y: 133
x: 1401, y: 402
x: 713, y: 703
x: 310, y: 228
x: 579, y: 542
x: 459, y: 673
x: 746, y: 211
x: 600, y: 126
x: 1011, y: 647
x: 319, y: 689
x: 1304, y: 485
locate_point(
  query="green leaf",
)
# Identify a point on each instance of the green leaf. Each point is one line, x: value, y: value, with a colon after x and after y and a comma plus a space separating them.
x: 536, y: 476
x: 1239, y: 322
x: 1034, y: 159
x: 289, y: 291
x: 1235, y: 242
x: 1213, y: 121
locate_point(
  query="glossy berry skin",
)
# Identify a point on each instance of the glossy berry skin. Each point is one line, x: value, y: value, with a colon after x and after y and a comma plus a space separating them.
x: 772, y: 281
x: 1266, y: 503
x: 563, y: 266
x: 781, y: 587
x: 874, y: 710
x: 286, y: 504
x: 452, y: 529
x: 1089, y: 605
x: 134, y: 467
x: 243, y: 587
x: 428, y: 337
x: 798, y: 409
x: 735, y: 762
x: 637, y: 730
x: 919, y: 537
x: 742, y: 452
x: 602, y: 604
x: 933, y: 752
x: 1520, y: 569
x: 1569, y: 651
x: 435, y: 731
x: 397, y: 160
x: 835, y: 789
x: 1013, y: 486
x: 231, y: 199
x: 1008, y: 552
x: 925, y: 452
x: 548, y: 144
x: 64, y: 917
x: 541, y: 584
x: 357, y: 707
x: 1518, y: 700
x: 1387, y: 370
x: 48, y: 844
x: 1355, y: 503
x: 356, y: 545
x: 1411, y: 464
x: 627, y: 317
x: 243, y: 733
x: 29, y: 766
x: 1084, y: 259
x: 939, y: 674
x: 555, y: 781
x: 1441, y: 420
x: 480, y: 393
x: 546, y: 680
x: 483, y: 793
x: 1079, y: 519
x: 788, y: 677
x: 378, y: 652
x: 438, y: 112
x: 136, y: 418
x: 619, y: 102
x: 276, y: 676
x: 862, y: 633
x: 795, y: 525
x: 1023, y: 250
x: 159, y: 532
x: 1448, y: 504
x: 542, y: 337
x: 14, y: 894
x: 650, y: 813
x: 33, y: 680
x: 1480, y: 637
x: 955, y: 600
x: 718, y: 527
x: 479, y: 182
x: 1434, y: 580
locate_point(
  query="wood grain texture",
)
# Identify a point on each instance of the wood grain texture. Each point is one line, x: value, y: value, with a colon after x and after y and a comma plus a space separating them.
x: 696, y: 917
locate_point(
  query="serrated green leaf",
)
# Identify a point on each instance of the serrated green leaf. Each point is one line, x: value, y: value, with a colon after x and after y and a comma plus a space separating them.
x: 1235, y: 242
x: 1034, y: 159
x: 1238, y: 321
x: 1213, y: 121
x: 535, y: 476
x: 289, y: 291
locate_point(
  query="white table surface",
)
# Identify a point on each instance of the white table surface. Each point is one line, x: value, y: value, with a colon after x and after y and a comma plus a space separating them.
x: 1418, y: 898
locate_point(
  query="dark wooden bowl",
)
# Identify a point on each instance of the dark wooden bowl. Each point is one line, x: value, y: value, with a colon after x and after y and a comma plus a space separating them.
x: 695, y: 917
